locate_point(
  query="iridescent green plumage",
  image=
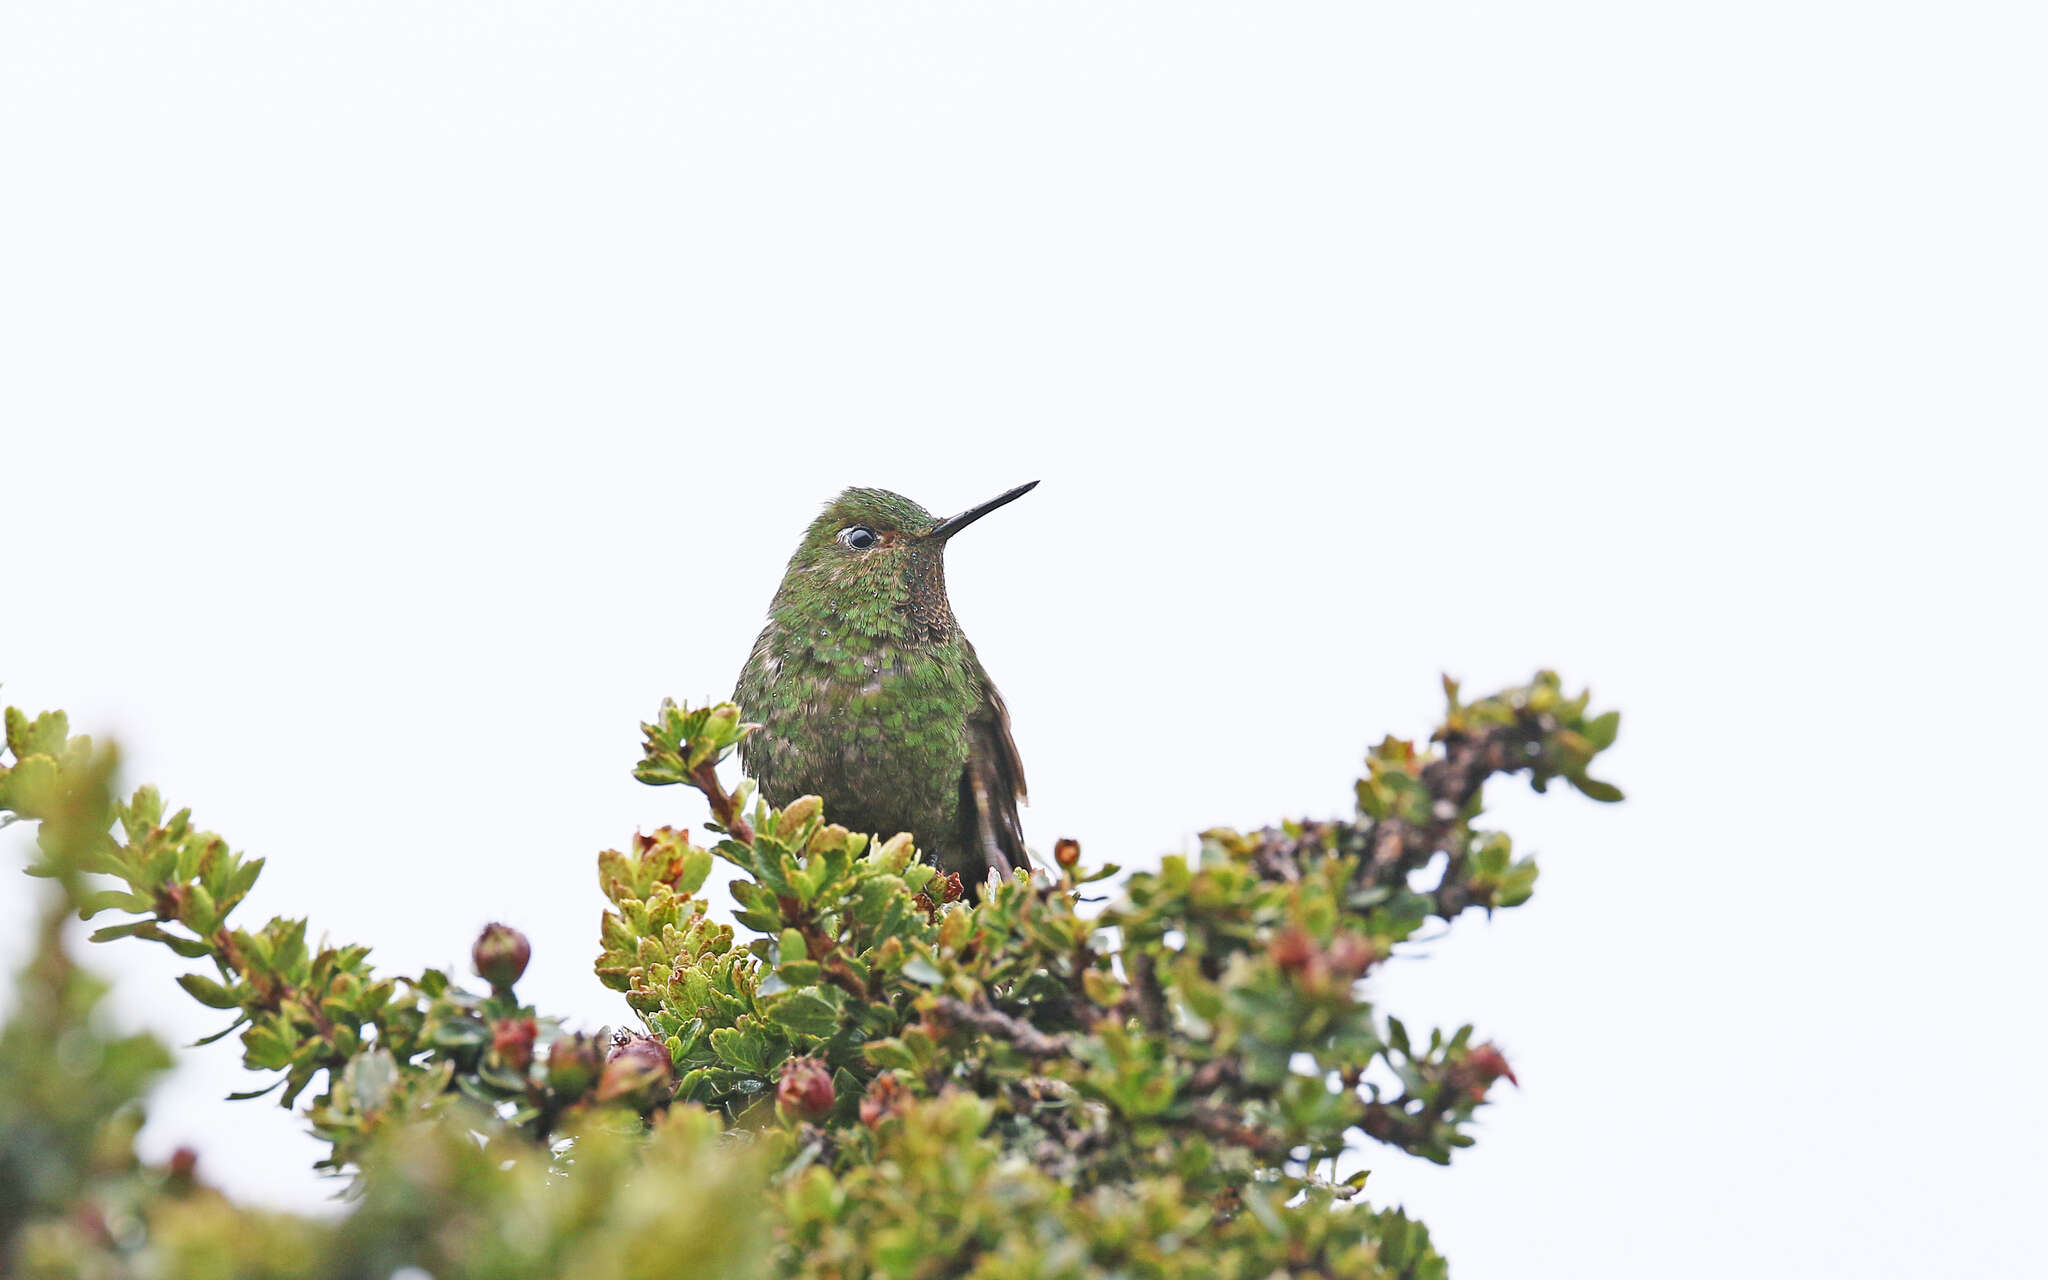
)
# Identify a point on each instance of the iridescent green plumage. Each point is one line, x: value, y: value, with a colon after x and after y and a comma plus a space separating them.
x: 870, y: 696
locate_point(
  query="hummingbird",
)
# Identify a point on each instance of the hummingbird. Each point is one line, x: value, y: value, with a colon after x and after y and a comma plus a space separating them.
x: 869, y: 695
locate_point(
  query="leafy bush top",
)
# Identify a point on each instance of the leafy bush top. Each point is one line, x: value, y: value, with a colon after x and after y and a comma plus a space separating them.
x: 875, y: 1073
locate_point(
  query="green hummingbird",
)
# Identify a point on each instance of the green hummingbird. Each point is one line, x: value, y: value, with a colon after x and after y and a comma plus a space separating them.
x: 869, y: 695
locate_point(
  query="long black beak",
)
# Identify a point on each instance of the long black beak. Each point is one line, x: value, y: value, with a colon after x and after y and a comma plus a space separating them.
x: 947, y: 528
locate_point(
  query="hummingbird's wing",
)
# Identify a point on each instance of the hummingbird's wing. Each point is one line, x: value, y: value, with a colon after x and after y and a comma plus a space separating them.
x: 995, y: 781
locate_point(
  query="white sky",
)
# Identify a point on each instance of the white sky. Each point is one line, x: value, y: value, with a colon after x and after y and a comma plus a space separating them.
x: 398, y: 400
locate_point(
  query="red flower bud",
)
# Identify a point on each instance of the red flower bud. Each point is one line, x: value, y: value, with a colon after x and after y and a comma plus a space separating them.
x: 1491, y: 1061
x: 183, y: 1166
x: 1475, y: 1073
x: 170, y: 901
x: 805, y: 1089
x: 1351, y: 955
x: 1066, y: 852
x: 1293, y: 950
x: 951, y: 889
x: 636, y: 1072
x: 884, y: 1098
x: 573, y: 1065
x: 512, y: 1041
x: 500, y: 955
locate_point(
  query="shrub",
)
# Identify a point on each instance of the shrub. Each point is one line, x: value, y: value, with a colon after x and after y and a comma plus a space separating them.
x: 867, y: 1072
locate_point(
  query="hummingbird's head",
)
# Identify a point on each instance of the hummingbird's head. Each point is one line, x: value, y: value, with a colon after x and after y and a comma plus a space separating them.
x: 873, y: 548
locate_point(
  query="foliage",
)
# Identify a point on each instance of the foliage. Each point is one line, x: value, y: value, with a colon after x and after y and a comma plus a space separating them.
x: 872, y: 1071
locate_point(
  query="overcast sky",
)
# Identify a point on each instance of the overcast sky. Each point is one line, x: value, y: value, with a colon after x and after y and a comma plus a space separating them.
x: 398, y: 400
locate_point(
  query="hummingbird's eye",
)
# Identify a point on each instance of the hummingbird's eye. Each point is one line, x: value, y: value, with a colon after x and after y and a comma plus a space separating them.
x: 859, y: 537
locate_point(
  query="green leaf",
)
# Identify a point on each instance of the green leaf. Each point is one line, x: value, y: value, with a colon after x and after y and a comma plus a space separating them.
x: 688, y: 1087
x: 797, y: 973
x: 696, y: 867
x: 738, y: 1049
x: 810, y: 878
x: 790, y: 947
x: 1601, y: 730
x: 502, y: 1079
x: 129, y: 930
x: 190, y: 948
x: 1594, y: 789
x: 208, y: 992
x: 460, y: 1033
x: 42, y: 736
x: 142, y: 812
x: 244, y: 879
x: 919, y: 969
x: 805, y: 1012
x: 220, y: 1034
x: 200, y: 914
x: 91, y: 904
x: 890, y: 1053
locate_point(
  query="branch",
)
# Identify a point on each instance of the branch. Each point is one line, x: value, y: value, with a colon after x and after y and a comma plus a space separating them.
x: 1451, y: 781
x: 1146, y: 997
x: 1225, y: 1125
x: 705, y: 778
x: 1029, y: 1040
